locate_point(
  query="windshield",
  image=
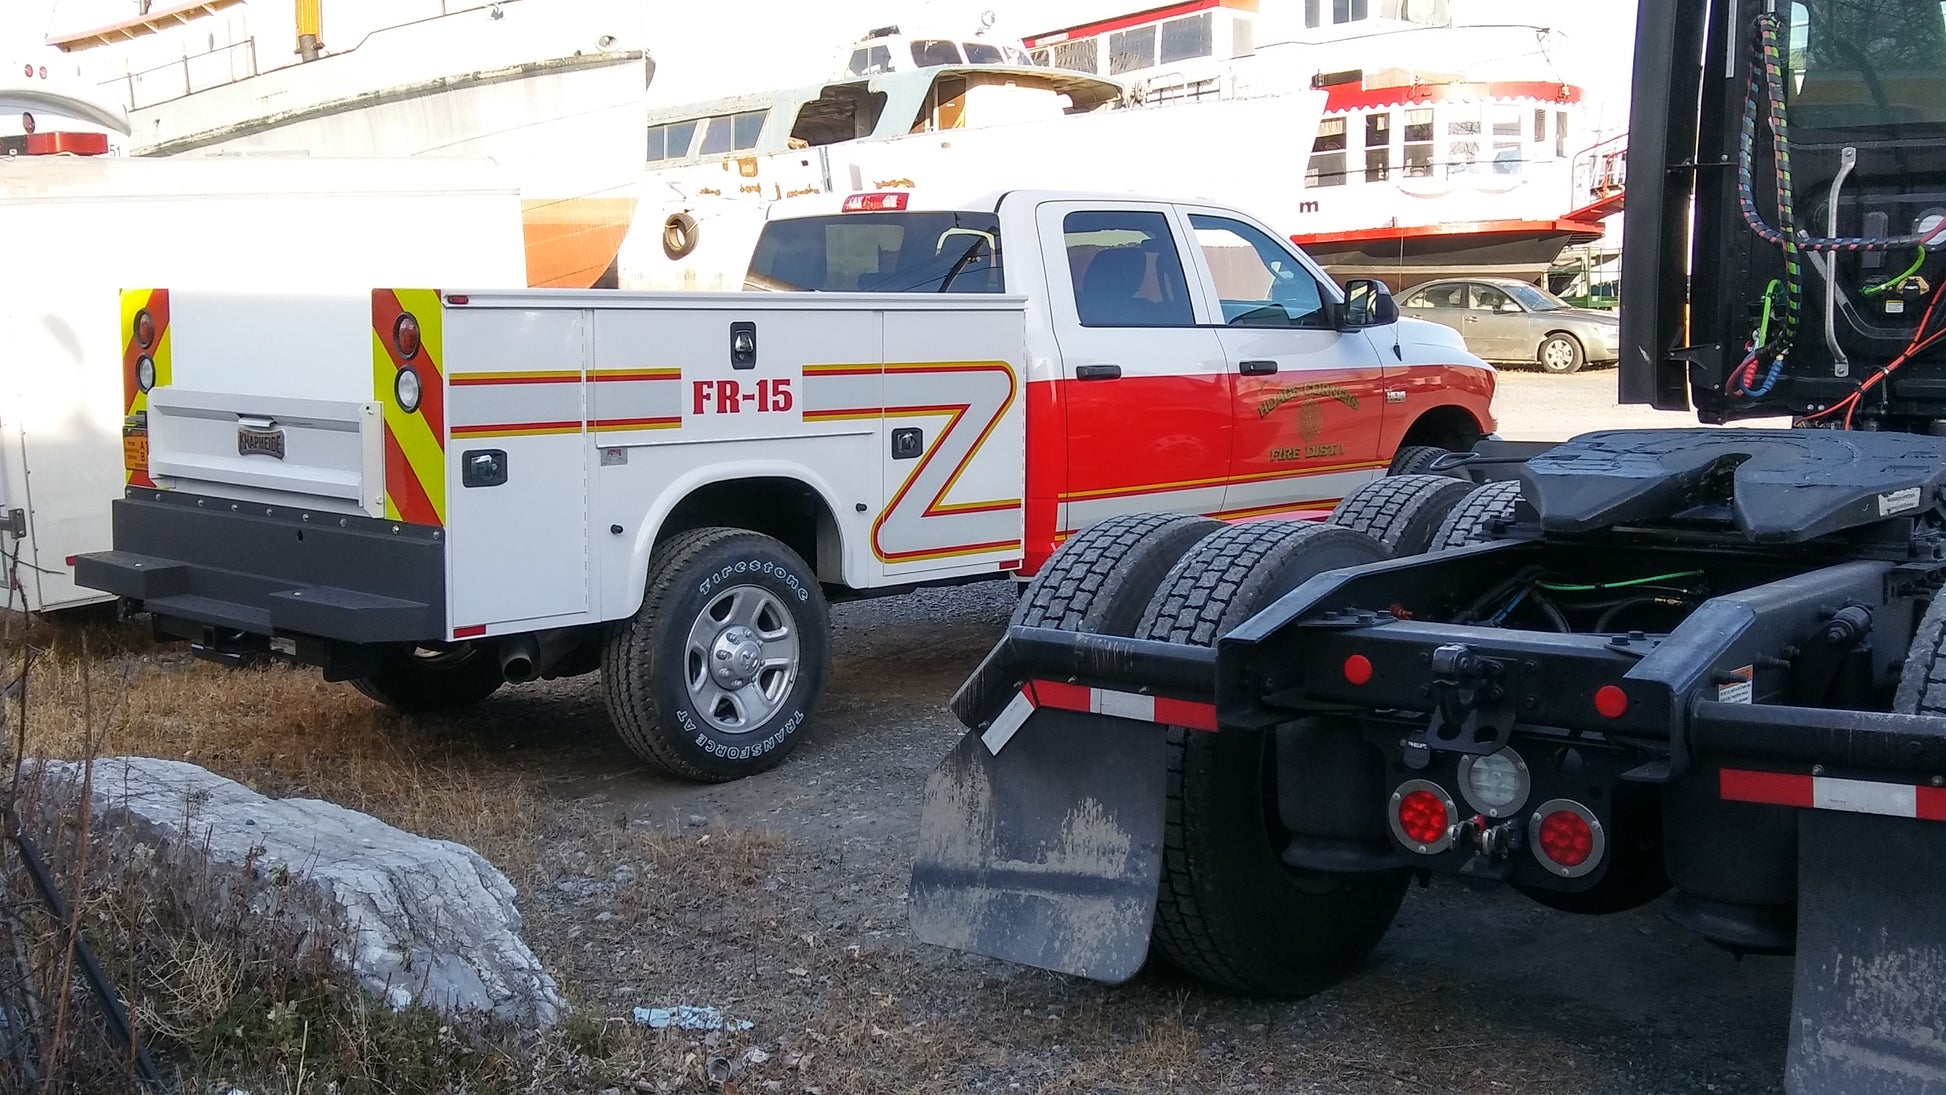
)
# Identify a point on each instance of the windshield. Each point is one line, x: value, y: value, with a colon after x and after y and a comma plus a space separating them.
x: 1534, y: 300
x: 1856, y: 63
x: 930, y: 252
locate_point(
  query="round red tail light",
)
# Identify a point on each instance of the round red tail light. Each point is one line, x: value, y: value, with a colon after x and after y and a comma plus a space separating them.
x: 1611, y: 702
x: 405, y: 335
x: 1567, y: 838
x: 1358, y: 669
x: 1422, y: 816
x: 144, y: 329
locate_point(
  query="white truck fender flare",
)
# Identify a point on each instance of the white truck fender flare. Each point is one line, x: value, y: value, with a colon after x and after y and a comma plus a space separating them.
x: 672, y: 496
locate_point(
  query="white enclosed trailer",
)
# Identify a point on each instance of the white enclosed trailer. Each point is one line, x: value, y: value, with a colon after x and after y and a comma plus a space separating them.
x: 76, y: 230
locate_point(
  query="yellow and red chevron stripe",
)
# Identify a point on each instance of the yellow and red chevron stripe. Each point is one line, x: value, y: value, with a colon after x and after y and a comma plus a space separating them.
x: 135, y: 402
x: 415, y: 441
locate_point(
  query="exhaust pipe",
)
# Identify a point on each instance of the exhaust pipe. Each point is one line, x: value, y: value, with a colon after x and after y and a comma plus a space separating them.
x: 520, y: 659
x: 526, y: 658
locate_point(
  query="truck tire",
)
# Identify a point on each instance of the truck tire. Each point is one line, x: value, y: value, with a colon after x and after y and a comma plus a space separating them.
x: 1401, y: 511
x: 1922, y: 683
x: 1101, y: 580
x: 427, y: 680
x: 1478, y: 516
x: 1417, y: 460
x: 715, y: 675
x: 1228, y: 910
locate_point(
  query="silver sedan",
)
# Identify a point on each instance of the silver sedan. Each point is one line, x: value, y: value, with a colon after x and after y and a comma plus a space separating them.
x: 1504, y: 320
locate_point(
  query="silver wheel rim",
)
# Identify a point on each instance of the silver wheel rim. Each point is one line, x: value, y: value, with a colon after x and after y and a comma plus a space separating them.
x: 741, y: 659
x: 1557, y: 354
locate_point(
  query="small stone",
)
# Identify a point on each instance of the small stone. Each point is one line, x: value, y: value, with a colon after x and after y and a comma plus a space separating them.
x: 624, y: 875
x: 697, y: 821
x: 604, y: 917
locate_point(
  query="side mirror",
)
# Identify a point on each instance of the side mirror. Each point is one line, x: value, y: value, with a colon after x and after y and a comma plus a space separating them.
x: 1368, y: 303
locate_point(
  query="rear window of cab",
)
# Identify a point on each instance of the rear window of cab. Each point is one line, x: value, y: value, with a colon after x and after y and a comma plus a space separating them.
x: 886, y: 252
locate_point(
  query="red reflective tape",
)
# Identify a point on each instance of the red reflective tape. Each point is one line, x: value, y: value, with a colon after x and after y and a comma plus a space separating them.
x: 1065, y: 697
x: 474, y: 631
x: 1931, y: 804
x: 1774, y: 788
x: 1186, y: 713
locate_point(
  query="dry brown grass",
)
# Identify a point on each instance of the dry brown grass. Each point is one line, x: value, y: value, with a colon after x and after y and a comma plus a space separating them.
x: 279, y: 730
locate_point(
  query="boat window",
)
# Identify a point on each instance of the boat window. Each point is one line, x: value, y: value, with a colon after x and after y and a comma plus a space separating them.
x: 1378, y: 147
x: 1243, y: 36
x: 908, y: 252
x: 1125, y: 270
x: 1463, y: 149
x: 1327, y: 166
x: 672, y: 140
x: 1082, y: 56
x: 935, y: 51
x: 1042, y: 57
x: 984, y: 53
x: 1186, y: 38
x: 1131, y: 49
x: 1348, y: 11
x: 1312, y: 14
x: 1259, y: 283
x: 716, y: 136
x: 1560, y: 134
x: 1540, y: 126
x: 749, y: 126
x: 841, y: 113
x: 870, y: 60
x: 1431, y: 13
x: 1418, y: 143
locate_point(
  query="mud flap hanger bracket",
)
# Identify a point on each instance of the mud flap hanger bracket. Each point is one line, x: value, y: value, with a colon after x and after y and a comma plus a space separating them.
x: 1168, y: 671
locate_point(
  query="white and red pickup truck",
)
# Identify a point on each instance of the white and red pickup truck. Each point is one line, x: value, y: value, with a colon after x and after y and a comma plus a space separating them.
x: 431, y: 493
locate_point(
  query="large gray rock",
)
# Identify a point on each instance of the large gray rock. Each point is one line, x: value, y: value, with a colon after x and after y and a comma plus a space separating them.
x: 429, y: 921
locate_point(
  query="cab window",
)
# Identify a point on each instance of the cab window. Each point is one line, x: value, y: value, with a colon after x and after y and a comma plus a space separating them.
x: 1126, y: 270
x: 909, y: 252
x: 1259, y: 283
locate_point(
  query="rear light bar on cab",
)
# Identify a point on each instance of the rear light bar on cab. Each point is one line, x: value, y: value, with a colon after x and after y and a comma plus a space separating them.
x: 882, y: 201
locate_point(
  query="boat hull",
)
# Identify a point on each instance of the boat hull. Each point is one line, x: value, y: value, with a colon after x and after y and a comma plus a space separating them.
x: 553, y: 94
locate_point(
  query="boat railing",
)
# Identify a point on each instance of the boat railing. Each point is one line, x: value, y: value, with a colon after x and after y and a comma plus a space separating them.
x: 186, y: 75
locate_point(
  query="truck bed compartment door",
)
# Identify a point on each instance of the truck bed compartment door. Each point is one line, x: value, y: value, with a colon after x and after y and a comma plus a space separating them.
x: 517, y: 466
x: 953, y: 456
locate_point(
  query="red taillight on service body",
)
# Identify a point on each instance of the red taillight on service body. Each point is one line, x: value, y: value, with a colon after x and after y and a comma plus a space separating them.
x: 1566, y: 837
x: 1422, y: 816
x: 405, y: 335
x: 144, y: 329
x: 883, y: 201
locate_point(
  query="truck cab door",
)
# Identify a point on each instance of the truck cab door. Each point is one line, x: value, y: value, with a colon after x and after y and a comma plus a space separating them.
x: 1144, y: 388
x: 1309, y: 398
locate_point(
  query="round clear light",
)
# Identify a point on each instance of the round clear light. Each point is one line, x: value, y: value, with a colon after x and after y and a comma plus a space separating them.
x: 406, y: 388
x: 145, y: 372
x: 1493, y: 782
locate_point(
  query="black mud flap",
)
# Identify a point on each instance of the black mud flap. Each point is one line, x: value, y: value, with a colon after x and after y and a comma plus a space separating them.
x: 1868, y: 1014
x: 1047, y: 853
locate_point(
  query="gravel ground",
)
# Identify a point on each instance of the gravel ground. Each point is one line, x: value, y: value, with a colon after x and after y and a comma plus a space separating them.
x: 780, y: 897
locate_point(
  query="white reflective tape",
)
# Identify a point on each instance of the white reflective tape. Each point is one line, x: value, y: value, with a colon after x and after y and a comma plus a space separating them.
x: 1862, y: 797
x: 1124, y: 705
x: 1011, y: 718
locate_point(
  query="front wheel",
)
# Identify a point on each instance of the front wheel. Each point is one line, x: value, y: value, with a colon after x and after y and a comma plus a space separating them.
x: 715, y: 675
x: 1560, y: 355
x: 430, y: 680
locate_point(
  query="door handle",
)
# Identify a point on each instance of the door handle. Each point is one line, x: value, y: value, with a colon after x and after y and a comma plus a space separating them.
x: 1256, y: 368
x: 1097, y: 372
